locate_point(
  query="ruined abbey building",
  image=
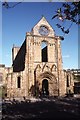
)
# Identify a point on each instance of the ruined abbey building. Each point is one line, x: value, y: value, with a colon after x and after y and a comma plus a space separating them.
x: 37, y: 65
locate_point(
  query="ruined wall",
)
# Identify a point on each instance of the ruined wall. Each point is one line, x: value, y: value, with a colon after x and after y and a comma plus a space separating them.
x: 12, y: 85
x: 14, y: 52
x: 32, y: 71
x: 53, y: 65
x: 19, y: 61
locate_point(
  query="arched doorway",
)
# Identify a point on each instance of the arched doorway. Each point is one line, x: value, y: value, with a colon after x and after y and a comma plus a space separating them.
x: 45, y: 87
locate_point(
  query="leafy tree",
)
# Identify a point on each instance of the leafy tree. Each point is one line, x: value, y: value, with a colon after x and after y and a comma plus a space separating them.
x: 69, y: 11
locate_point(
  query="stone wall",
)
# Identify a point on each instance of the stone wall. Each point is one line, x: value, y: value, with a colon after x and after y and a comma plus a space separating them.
x: 19, y: 61
x: 28, y: 72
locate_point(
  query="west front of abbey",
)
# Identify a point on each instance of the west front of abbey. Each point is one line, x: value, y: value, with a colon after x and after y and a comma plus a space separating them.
x: 37, y: 65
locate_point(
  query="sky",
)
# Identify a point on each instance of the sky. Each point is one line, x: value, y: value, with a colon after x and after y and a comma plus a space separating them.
x: 20, y: 19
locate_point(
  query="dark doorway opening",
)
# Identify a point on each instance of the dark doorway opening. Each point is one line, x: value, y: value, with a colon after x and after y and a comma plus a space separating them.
x: 67, y: 81
x: 45, y: 86
x: 18, y: 82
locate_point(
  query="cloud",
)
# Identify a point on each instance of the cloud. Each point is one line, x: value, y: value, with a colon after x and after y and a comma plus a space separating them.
x: 66, y: 56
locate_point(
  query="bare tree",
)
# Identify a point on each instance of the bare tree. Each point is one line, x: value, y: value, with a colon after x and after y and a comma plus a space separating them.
x: 7, y: 5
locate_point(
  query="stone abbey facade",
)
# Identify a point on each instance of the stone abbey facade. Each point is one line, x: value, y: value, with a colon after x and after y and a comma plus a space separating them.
x: 37, y: 65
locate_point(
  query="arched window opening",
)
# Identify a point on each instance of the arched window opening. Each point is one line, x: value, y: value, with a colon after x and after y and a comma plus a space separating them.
x: 19, y: 82
x: 67, y: 81
x: 44, y: 51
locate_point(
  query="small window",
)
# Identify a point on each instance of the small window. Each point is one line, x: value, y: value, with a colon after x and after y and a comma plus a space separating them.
x: 18, y: 82
x: 67, y: 81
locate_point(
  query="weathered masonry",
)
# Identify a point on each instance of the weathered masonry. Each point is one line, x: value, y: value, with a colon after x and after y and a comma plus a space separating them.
x: 37, y: 65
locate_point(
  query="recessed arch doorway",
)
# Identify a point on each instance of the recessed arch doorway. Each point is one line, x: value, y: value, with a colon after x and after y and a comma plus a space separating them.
x: 48, y: 84
x: 45, y: 87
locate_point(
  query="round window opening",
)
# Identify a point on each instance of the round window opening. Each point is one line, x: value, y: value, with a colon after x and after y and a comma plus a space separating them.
x: 43, y: 30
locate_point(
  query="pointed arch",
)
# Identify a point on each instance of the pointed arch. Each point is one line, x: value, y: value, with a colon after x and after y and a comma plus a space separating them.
x: 50, y: 84
x: 48, y: 75
x: 46, y: 68
x: 43, y: 66
x: 53, y: 68
x: 38, y: 68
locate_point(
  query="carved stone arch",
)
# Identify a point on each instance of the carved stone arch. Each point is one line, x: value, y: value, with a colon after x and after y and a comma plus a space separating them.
x: 43, y: 67
x: 52, y: 82
x: 49, y: 76
x: 19, y: 75
x: 46, y: 68
x: 38, y: 68
x: 53, y: 68
x: 44, y: 41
